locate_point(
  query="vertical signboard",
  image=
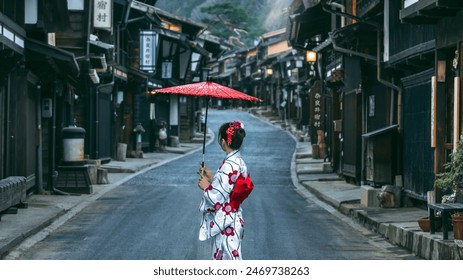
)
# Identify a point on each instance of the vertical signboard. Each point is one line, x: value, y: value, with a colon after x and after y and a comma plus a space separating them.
x: 433, y: 111
x: 316, y: 114
x: 148, y: 50
x: 102, y: 14
x: 166, y: 70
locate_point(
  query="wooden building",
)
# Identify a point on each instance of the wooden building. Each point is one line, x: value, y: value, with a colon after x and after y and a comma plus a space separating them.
x: 18, y: 89
x: 436, y: 25
x: 78, y: 63
x: 391, y: 86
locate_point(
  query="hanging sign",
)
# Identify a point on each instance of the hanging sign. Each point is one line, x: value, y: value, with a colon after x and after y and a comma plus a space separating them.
x: 316, y: 114
x: 167, y: 70
x: 148, y: 50
x: 433, y: 111
x: 102, y: 14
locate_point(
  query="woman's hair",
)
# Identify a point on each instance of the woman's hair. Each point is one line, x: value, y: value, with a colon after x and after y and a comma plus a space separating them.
x: 233, y: 133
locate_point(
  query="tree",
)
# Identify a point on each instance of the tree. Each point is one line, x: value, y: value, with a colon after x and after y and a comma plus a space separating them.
x: 232, y: 22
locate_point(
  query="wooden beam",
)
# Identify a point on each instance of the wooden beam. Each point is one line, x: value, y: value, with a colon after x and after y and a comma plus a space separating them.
x: 441, y: 122
x: 456, y: 113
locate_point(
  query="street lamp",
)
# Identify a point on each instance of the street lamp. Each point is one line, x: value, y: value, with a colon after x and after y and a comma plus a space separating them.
x: 310, y: 56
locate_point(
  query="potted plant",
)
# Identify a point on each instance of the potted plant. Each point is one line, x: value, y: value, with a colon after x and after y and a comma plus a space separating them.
x: 449, y: 184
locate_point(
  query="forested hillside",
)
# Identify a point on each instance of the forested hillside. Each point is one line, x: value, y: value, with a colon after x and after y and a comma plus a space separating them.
x: 242, y: 21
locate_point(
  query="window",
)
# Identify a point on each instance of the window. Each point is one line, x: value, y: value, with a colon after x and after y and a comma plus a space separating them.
x: 30, y: 11
x: 76, y: 5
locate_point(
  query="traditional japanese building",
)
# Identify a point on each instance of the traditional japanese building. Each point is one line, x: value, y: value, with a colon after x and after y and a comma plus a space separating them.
x: 82, y: 64
x: 433, y: 31
x: 18, y: 88
x: 382, y: 67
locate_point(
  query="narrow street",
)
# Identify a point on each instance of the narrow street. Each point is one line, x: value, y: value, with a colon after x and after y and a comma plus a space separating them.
x: 155, y: 215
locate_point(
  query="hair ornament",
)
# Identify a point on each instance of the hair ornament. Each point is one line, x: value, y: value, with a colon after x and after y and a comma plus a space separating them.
x: 231, y: 130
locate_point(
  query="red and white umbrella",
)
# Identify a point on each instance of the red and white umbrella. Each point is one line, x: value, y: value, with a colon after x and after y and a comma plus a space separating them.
x: 208, y: 90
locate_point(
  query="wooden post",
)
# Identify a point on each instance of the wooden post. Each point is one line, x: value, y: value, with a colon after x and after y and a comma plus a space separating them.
x: 456, y: 113
x: 433, y: 111
x: 440, y: 153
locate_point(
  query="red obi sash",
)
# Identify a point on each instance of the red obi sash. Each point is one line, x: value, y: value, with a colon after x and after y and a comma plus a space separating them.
x: 243, y: 187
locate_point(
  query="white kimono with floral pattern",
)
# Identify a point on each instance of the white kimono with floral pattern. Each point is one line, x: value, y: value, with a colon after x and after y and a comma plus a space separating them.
x: 220, y: 222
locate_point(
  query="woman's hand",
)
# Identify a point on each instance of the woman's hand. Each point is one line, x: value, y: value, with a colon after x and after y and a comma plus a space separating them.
x: 205, y: 172
x: 205, y: 177
x: 203, y: 183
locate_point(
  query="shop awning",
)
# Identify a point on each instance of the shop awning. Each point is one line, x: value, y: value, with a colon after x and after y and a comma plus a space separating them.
x: 195, y: 46
x: 11, y: 34
x: 101, y: 45
x: 135, y: 74
x: 430, y: 11
x: 305, y: 25
x: 120, y: 72
x: 381, y: 131
x: 323, y: 45
x: 360, y: 35
x: 226, y: 73
x: 41, y: 56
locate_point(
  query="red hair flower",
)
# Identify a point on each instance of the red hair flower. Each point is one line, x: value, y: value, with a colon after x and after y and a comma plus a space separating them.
x: 231, y: 130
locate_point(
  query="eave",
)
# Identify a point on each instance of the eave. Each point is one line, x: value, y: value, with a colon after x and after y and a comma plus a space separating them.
x: 430, y: 11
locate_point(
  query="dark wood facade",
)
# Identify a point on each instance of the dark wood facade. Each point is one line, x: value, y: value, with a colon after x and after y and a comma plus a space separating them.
x: 59, y: 70
x: 389, y: 57
x: 433, y: 32
x: 18, y: 99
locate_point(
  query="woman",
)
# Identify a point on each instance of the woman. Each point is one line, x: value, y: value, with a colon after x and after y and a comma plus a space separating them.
x: 222, y: 219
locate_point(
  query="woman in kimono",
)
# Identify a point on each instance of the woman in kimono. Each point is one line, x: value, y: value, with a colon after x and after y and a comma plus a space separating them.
x: 222, y: 219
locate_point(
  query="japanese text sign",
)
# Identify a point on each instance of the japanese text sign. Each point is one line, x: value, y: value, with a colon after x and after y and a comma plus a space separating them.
x: 102, y: 14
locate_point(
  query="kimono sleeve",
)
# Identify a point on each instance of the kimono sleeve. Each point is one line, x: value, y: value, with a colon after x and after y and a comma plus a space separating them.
x: 219, y: 191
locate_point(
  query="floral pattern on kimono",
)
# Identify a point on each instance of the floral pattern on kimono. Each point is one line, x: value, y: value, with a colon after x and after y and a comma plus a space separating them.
x: 221, y: 223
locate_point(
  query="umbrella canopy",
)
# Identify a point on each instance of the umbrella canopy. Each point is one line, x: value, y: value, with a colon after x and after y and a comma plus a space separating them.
x: 207, y: 89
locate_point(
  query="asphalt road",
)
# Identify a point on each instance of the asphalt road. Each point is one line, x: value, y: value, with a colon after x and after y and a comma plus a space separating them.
x: 155, y: 215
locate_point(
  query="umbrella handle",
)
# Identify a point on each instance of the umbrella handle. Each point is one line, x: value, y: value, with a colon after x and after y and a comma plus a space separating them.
x: 205, y: 127
x: 204, y: 139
